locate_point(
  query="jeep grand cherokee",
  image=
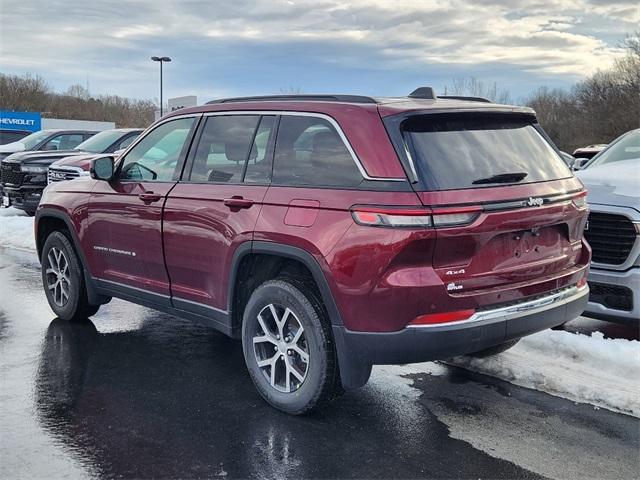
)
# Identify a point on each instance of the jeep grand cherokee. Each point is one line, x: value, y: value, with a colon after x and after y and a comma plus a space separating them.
x: 328, y: 233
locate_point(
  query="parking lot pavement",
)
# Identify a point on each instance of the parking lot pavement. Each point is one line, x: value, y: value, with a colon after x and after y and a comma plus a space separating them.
x: 139, y: 394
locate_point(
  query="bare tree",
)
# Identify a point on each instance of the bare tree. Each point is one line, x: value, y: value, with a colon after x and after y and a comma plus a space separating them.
x: 29, y: 93
x: 596, y: 110
x: 471, y: 86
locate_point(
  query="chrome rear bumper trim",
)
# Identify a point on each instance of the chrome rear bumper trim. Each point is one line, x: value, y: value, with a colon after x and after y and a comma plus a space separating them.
x: 523, y: 309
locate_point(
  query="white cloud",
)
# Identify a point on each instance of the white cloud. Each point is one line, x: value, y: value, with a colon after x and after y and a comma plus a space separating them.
x: 546, y: 37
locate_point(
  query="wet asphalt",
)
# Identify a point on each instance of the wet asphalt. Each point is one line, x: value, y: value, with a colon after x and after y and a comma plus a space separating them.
x: 139, y: 394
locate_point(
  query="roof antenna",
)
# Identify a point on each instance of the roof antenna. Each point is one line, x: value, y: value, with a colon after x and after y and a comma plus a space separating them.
x: 424, y: 93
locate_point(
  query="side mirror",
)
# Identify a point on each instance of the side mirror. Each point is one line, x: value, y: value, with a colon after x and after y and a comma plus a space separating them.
x: 102, y: 168
x: 580, y: 163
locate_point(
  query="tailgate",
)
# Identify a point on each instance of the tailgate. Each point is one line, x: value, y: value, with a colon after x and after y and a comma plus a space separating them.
x: 519, y: 235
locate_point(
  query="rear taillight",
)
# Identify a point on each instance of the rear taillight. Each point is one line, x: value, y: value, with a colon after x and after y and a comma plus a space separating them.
x: 414, y: 217
x: 445, y: 317
x: 580, y: 200
x: 391, y: 217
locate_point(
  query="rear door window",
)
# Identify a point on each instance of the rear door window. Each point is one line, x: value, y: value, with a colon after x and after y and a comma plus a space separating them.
x: 482, y: 150
x: 309, y: 151
x: 223, y: 148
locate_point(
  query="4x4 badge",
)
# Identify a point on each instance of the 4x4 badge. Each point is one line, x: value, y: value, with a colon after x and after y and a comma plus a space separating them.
x: 535, y: 202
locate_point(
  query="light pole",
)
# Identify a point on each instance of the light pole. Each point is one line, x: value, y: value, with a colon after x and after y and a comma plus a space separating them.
x: 161, y: 60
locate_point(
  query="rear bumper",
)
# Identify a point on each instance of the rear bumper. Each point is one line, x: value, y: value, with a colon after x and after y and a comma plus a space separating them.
x: 357, y: 351
x: 629, y: 280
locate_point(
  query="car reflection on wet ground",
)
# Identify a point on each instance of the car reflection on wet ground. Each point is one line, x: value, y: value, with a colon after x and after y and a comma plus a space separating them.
x: 139, y: 394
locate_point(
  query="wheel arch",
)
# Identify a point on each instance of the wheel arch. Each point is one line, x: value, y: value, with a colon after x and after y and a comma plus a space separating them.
x: 285, y: 252
x: 49, y: 220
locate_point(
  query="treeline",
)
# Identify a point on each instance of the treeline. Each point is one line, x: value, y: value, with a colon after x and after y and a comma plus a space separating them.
x: 596, y: 110
x: 29, y: 93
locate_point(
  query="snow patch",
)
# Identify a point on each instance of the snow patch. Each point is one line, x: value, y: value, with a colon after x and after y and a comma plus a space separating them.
x: 16, y: 229
x: 601, y: 371
x: 12, y: 212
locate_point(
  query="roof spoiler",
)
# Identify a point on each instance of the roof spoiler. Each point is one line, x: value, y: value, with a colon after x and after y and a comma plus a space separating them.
x: 467, y: 98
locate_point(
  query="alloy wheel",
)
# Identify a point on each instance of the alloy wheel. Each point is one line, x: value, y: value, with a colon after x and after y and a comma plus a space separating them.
x: 280, y: 348
x: 57, y: 272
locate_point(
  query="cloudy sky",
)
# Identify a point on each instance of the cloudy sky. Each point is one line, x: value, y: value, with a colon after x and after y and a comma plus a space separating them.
x: 376, y: 47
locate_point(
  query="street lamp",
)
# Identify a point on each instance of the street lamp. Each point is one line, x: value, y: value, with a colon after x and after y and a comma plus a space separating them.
x: 161, y: 60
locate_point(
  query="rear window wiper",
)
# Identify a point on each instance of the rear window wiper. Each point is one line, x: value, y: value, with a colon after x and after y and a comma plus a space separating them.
x: 502, y: 178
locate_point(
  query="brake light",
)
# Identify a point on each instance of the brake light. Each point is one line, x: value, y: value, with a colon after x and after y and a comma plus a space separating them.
x: 391, y: 217
x: 580, y: 200
x: 446, y: 317
x: 414, y: 217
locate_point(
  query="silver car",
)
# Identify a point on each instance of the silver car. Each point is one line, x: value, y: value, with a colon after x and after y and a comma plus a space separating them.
x: 613, y: 181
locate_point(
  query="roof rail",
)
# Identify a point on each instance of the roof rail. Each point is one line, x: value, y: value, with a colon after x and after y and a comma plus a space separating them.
x: 302, y: 97
x: 467, y: 98
x: 426, y: 93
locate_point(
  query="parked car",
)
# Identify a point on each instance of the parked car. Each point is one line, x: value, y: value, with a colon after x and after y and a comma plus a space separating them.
x: 587, y: 153
x: 78, y: 165
x: 10, y: 136
x: 46, y: 140
x: 329, y: 233
x: 625, y: 147
x: 613, y: 181
x: 24, y: 174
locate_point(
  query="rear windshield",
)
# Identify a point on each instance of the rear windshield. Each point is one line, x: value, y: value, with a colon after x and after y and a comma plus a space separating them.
x: 477, y: 151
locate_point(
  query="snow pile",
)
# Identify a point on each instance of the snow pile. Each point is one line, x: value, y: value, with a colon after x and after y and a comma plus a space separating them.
x: 16, y: 229
x: 588, y: 369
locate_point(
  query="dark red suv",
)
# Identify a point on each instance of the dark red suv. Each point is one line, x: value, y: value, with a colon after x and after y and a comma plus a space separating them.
x: 330, y: 233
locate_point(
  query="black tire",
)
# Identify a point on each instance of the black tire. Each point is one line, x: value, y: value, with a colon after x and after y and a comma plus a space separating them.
x: 321, y: 371
x: 487, y: 352
x: 75, y: 306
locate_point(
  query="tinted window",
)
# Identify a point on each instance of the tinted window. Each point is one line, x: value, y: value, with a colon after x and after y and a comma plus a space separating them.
x: 157, y: 155
x: 223, y: 148
x: 309, y: 151
x: 484, y: 150
x: 64, y: 142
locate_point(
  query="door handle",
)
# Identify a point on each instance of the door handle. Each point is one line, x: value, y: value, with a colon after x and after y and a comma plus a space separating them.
x: 237, y: 202
x: 149, y: 197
